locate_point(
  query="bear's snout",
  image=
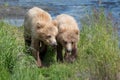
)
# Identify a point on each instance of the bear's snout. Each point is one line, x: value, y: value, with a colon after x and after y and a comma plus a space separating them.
x: 68, y: 47
x: 68, y: 50
x: 54, y: 44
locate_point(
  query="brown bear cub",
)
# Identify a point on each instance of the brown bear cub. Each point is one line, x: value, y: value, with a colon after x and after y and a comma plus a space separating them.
x: 39, y: 32
x: 67, y: 38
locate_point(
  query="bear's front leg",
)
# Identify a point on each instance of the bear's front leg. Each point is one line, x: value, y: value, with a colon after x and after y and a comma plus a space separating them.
x: 42, y: 50
x: 66, y: 56
x: 74, y: 53
x: 59, y: 53
x: 35, y: 51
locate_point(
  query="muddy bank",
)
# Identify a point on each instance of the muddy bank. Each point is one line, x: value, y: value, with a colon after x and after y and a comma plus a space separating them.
x: 19, y: 12
x: 11, y: 12
x: 15, y: 14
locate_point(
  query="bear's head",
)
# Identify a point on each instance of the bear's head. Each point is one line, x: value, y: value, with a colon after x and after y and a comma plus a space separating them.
x: 47, y: 32
x: 68, y: 38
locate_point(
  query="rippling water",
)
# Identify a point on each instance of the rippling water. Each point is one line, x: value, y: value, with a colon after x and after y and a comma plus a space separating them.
x: 76, y: 8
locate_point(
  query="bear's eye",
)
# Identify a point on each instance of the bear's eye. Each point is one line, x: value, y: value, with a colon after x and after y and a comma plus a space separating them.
x: 38, y: 27
x: 72, y: 42
x: 49, y: 36
x: 65, y: 42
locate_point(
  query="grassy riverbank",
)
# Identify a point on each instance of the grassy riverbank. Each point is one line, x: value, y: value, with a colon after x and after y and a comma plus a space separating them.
x: 98, y: 58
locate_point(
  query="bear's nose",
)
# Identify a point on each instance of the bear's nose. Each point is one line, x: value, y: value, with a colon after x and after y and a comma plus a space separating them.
x: 68, y: 50
x: 54, y: 44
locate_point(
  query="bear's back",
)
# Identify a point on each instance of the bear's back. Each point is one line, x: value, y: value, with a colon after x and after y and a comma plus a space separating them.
x: 39, y: 14
x: 33, y: 16
x: 66, y: 21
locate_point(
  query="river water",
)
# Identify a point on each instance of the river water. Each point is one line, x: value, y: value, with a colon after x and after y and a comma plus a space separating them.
x: 76, y: 8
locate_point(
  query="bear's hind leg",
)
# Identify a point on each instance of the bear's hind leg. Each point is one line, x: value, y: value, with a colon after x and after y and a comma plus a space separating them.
x: 27, y: 44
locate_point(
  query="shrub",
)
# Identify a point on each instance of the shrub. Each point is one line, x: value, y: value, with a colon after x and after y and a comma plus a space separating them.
x: 98, y: 47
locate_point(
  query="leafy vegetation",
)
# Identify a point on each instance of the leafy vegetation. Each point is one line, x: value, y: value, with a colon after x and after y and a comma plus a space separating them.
x: 98, y: 58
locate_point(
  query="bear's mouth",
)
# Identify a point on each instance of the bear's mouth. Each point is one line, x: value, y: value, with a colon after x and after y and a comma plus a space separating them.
x: 54, y: 44
x: 69, y: 51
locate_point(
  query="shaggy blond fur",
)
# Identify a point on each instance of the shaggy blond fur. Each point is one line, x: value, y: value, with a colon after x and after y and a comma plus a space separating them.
x: 39, y: 28
x: 67, y: 37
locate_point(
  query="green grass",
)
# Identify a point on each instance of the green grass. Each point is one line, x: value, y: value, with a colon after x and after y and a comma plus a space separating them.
x: 98, y: 58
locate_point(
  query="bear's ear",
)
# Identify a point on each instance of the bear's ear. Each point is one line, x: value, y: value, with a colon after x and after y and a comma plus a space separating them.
x: 77, y: 32
x: 40, y: 25
x: 55, y: 22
